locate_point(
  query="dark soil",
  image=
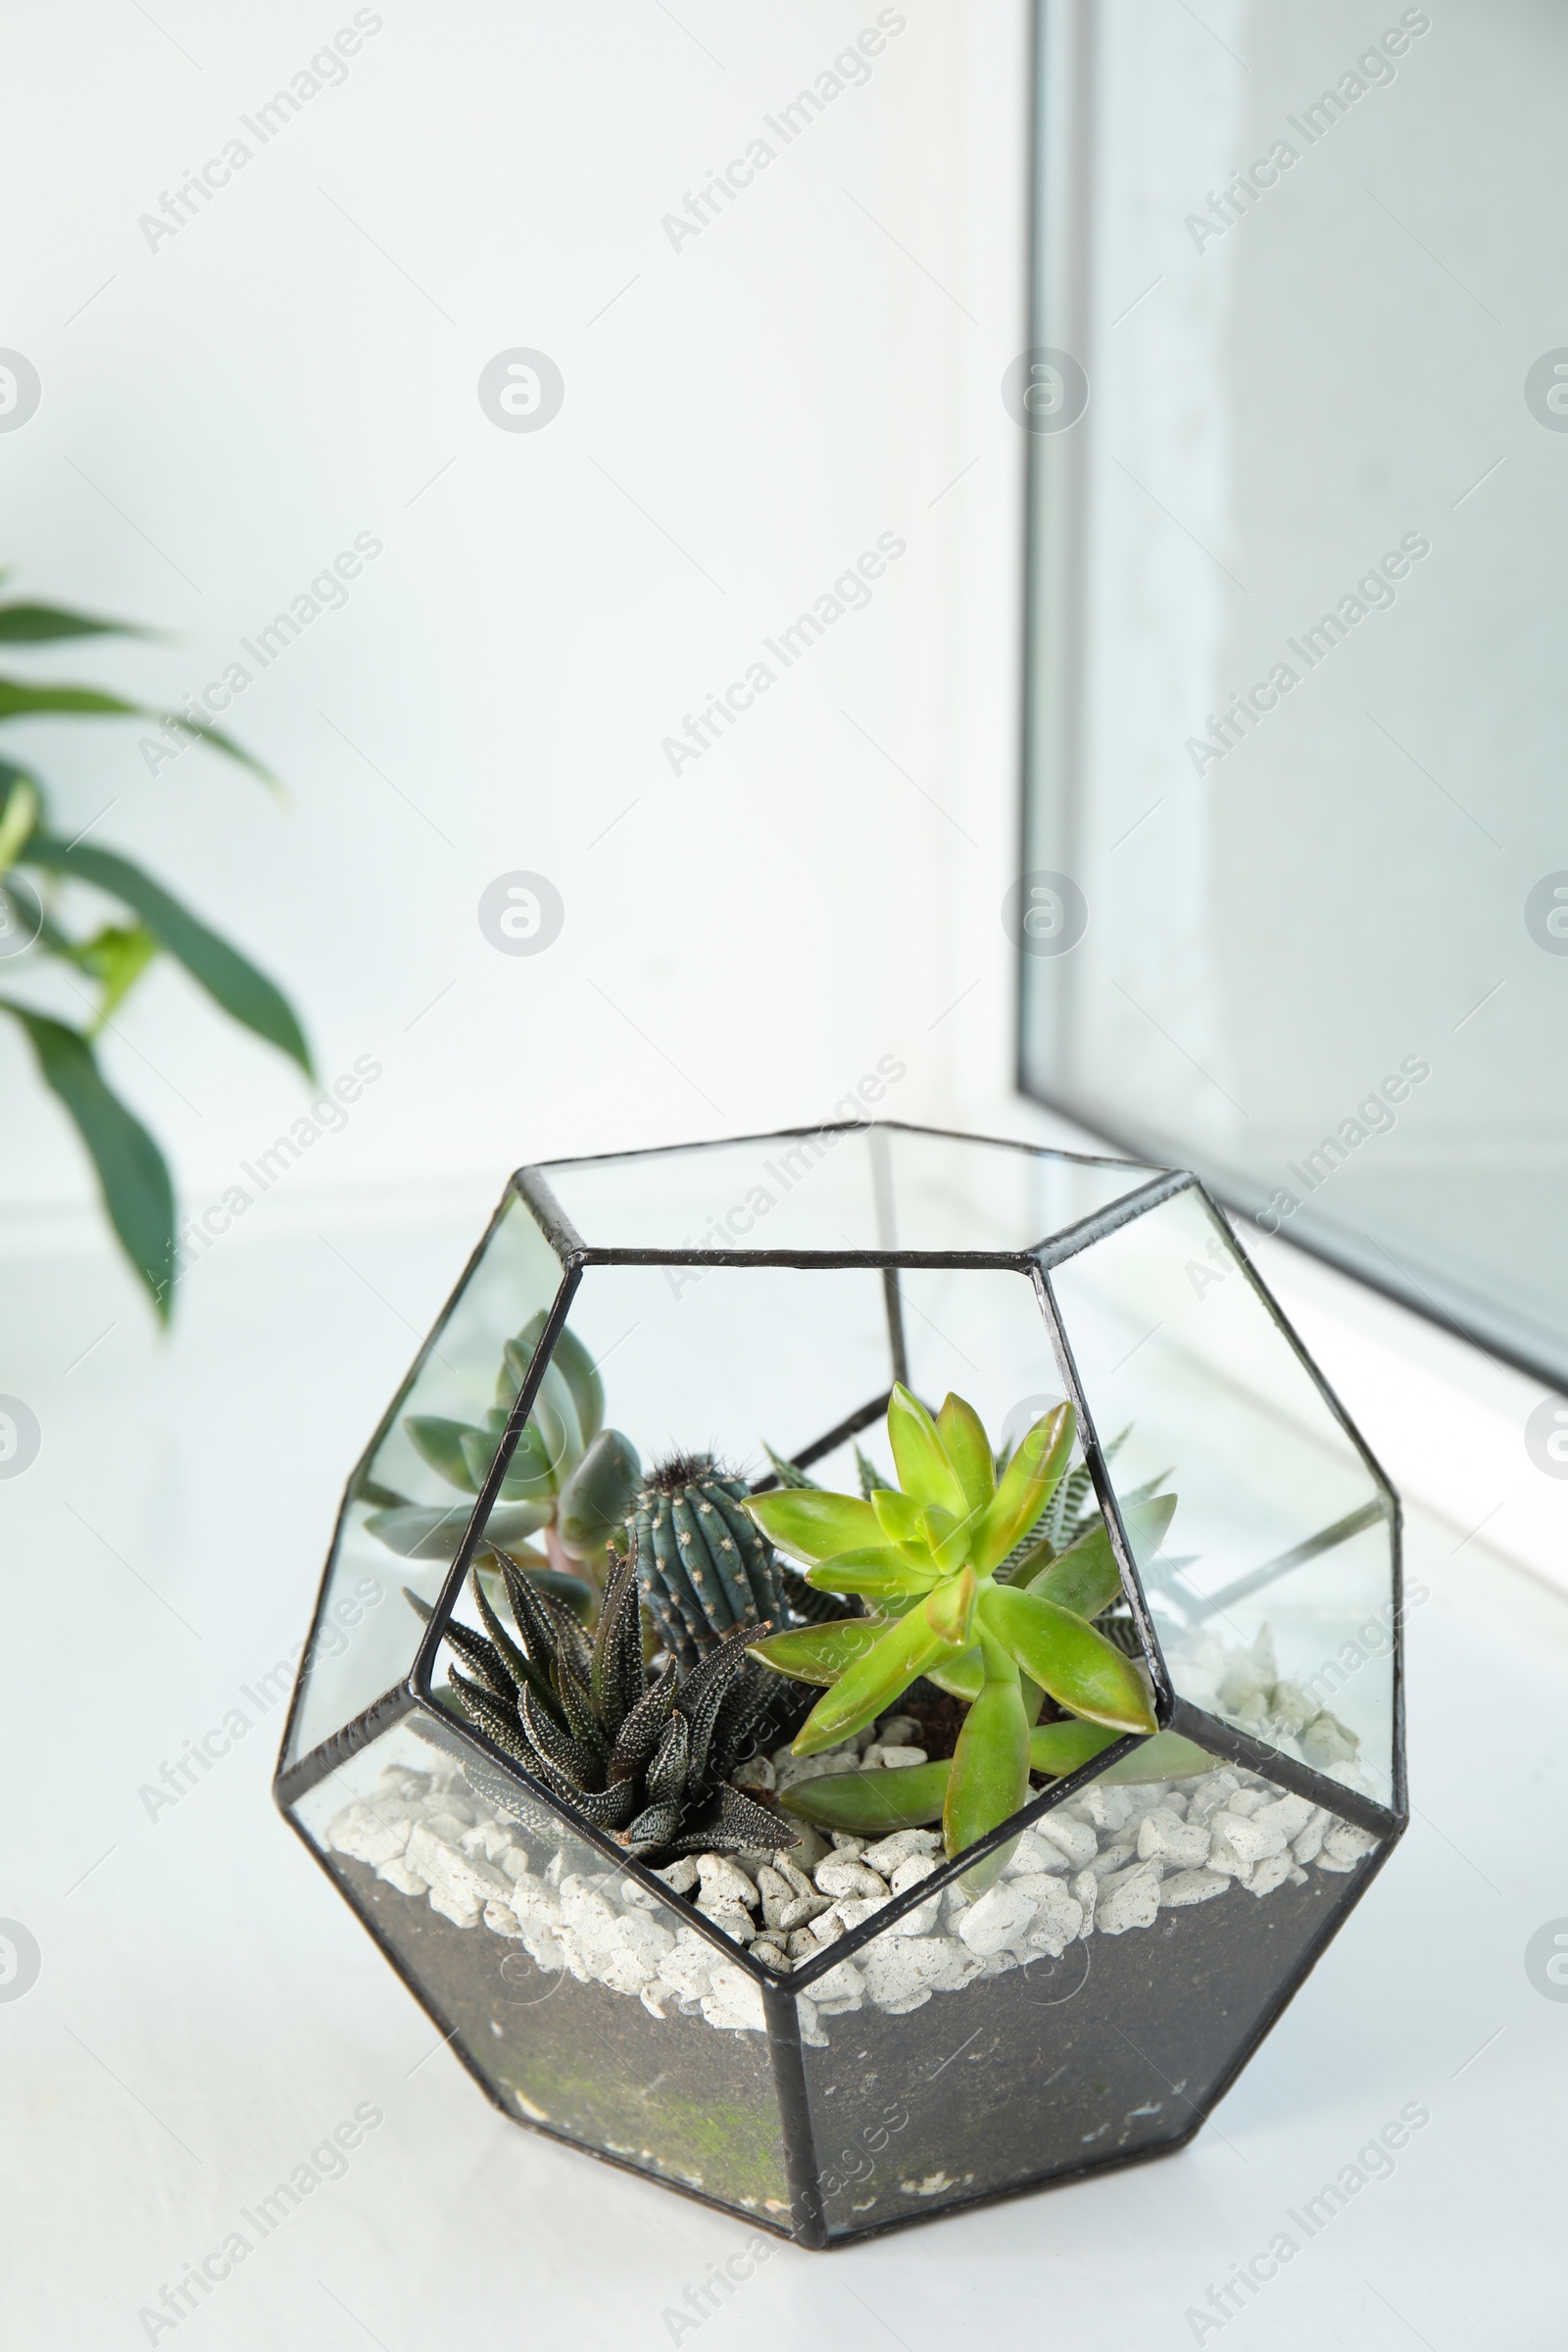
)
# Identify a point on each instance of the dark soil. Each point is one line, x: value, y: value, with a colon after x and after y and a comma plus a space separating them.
x: 1115, y: 2049
x: 675, y: 2097
x: 940, y: 1718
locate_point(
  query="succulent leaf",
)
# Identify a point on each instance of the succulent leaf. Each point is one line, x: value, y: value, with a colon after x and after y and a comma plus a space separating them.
x: 642, y: 1756
x: 811, y: 1526
x: 577, y: 1706
x: 880, y: 1572
x: 728, y: 1824
x: 868, y: 1688
x: 440, y: 1444
x: 898, y: 1516
x: 919, y: 1456
x: 488, y: 1712
x: 608, y: 1808
x: 818, y: 1653
x: 950, y: 1610
x: 1085, y: 1578
x: 416, y: 1532
x: 960, y: 1676
x: 1066, y: 1657
x: 482, y: 1657
x: 990, y: 1777
x: 702, y: 1694
x: 654, y: 1827
x: 1062, y: 1747
x: 644, y: 1725
x: 616, y: 1677
x: 902, y: 1797
x: 598, y: 1495
x: 947, y: 1538
x: 516, y: 1662
x: 582, y: 1374
x: 968, y: 1450
x: 566, y: 1632
x: 1025, y: 1487
x: 529, y: 1615
x: 553, y: 1742
x: 1167, y: 1756
x: 666, y: 1777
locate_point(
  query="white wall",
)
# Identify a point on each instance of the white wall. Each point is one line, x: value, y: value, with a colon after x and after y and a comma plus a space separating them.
x: 299, y: 364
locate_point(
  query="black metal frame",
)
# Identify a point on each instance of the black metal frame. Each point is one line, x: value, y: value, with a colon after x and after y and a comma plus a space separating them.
x: 1035, y: 1263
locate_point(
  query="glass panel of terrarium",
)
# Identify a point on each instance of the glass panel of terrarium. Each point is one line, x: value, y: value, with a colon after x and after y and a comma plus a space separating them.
x: 769, y: 1192
x: 978, y: 1331
x: 973, y: 2048
x: 953, y: 1192
x: 1273, y: 1594
x: 407, y: 1506
x: 725, y: 1361
x: 835, y: 1189
x: 583, y: 2003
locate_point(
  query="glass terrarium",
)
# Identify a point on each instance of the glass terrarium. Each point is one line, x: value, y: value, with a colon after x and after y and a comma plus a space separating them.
x: 560, y: 1533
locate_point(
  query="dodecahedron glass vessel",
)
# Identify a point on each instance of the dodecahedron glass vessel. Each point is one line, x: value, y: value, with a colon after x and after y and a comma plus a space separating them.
x: 758, y: 1299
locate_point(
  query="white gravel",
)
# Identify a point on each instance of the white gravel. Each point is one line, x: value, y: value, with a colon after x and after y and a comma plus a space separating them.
x: 1108, y: 1862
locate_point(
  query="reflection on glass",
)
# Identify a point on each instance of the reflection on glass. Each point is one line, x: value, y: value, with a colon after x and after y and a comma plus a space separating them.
x: 1272, y: 1593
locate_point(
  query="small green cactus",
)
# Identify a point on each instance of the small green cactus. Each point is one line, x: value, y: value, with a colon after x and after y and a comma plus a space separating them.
x: 703, y: 1567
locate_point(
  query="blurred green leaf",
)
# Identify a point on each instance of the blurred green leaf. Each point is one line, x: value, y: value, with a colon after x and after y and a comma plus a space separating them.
x: 234, y: 983
x: 131, y: 1172
x: 115, y: 957
x: 599, y: 1493
x: 20, y: 812
x: 416, y: 1532
x: 42, y: 624
x: 20, y: 698
x: 571, y: 1359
